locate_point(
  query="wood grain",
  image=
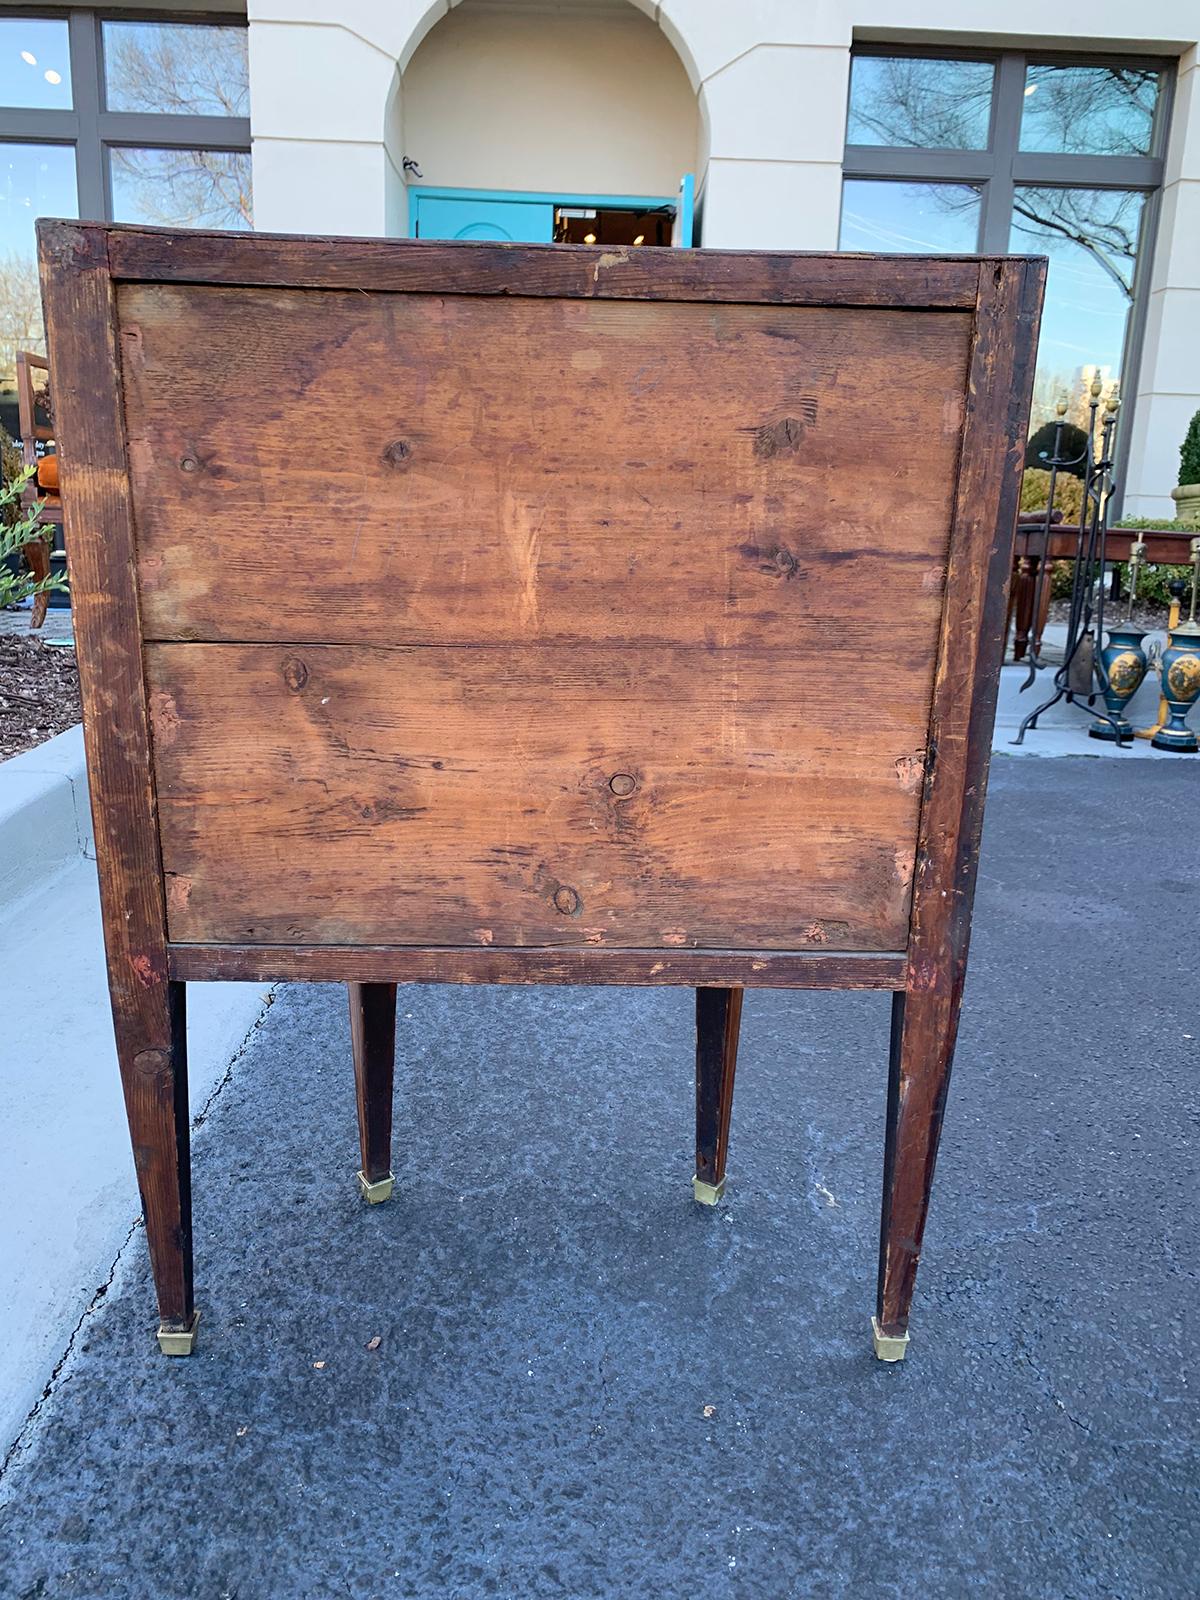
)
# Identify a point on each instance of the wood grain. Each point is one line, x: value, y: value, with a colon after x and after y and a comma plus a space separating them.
x: 373, y: 1044
x: 148, y: 1010
x: 461, y: 470
x: 764, y: 969
x: 925, y: 1019
x: 532, y: 796
x: 555, y: 271
x: 718, y: 1023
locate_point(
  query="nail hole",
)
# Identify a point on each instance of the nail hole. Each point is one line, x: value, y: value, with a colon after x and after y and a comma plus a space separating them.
x: 622, y: 783
x: 189, y: 464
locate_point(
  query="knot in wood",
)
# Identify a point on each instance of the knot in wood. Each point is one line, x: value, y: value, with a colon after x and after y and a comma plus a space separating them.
x: 785, y: 562
x: 189, y: 464
x: 622, y: 783
x: 397, y: 453
x: 779, y: 438
x: 151, y: 1062
x: 295, y: 674
x: 566, y: 900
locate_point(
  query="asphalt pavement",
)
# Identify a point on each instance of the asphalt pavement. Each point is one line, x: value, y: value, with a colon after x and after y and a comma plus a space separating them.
x: 541, y: 1370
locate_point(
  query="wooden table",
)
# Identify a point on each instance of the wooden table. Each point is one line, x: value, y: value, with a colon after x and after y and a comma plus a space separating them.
x: 1163, y: 545
x: 626, y: 680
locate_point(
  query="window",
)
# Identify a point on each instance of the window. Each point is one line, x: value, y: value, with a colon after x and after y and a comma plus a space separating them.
x: 1005, y: 151
x: 126, y: 120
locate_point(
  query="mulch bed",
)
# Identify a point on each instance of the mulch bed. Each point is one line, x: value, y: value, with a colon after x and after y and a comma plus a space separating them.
x: 1117, y: 612
x: 39, y: 692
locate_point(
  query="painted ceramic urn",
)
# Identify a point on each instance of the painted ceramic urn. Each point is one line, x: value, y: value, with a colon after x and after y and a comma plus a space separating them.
x: 1181, y: 688
x: 1124, y: 663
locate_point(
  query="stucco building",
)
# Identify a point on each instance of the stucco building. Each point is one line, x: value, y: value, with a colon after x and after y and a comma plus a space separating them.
x: 781, y: 124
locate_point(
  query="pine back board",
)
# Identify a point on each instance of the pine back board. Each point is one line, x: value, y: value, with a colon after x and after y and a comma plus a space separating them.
x: 523, y: 613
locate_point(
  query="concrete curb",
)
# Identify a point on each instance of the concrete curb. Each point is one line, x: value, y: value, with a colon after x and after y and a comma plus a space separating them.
x: 45, y: 817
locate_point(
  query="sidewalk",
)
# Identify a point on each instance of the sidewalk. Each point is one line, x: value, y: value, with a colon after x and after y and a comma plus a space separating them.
x: 68, y: 1196
x: 588, y: 1387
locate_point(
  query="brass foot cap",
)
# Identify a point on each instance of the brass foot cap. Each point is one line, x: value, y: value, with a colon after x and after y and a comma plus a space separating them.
x: 707, y: 1193
x: 375, y: 1193
x: 888, y: 1346
x: 178, y: 1341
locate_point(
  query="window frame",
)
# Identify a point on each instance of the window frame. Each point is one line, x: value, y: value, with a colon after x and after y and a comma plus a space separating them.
x: 92, y: 129
x: 1001, y: 166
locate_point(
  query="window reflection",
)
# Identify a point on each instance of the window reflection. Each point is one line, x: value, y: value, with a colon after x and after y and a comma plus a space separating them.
x: 176, y: 68
x: 36, y: 180
x: 1091, y: 237
x: 936, y: 105
x: 35, y: 64
x: 1093, y: 111
x: 182, y: 188
x: 878, y: 215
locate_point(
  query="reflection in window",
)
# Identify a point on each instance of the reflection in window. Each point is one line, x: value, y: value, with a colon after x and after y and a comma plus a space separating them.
x: 936, y: 105
x: 878, y: 215
x: 36, y: 180
x: 176, y: 68
x: 35, y: 64
x: 1091, y: 237
x: 182, y: 188
x: 1091, y: 111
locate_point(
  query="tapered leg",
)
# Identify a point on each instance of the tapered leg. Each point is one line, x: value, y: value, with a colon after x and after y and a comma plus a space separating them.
x: 718, y: 1018
x: 924, y: 1026
x: 373, y: 1034
x: 154, y: 1078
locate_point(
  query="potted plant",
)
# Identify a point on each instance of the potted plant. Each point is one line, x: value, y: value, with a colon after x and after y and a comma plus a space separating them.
x: 1186, y: 494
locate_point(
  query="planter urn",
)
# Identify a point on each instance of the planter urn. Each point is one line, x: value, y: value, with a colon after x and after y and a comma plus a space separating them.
x: 1181, y: 689
x: 1124, y: 663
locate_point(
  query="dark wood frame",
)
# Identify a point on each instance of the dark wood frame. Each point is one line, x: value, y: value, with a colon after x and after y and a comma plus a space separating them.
x: 81, y: 262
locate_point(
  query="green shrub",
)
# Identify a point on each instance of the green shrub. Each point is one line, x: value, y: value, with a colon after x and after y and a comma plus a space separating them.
x: 1189, y: 453
x: 1068, y: 493
x: 1152, y: 583
x: 18, y: 527
x: 1062, y: 576
x: 1170, y: 524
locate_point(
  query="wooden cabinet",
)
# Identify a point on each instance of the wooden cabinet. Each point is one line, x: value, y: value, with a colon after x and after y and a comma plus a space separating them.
x: 535, y: 614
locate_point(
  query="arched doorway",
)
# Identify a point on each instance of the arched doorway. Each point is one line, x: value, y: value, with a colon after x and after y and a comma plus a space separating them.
x: 519, y: 121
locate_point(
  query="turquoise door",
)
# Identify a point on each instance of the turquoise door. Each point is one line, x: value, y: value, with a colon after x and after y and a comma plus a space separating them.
x: 439, y: 217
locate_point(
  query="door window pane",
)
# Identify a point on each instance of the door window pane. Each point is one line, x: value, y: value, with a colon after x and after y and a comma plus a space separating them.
x: 35, y: 64
x: 936, y: 218
x: 934, y: 105
x: 182, y: 188
x: 1091, y: 237
x: 36, y: 180
x: 1089, y: 111
x: 176, y: 67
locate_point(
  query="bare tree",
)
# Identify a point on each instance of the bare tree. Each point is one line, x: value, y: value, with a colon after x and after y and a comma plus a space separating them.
x: 20, y: 312
x: 198, y: 71
x: 1101, y: 110
x: 187, y: 188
